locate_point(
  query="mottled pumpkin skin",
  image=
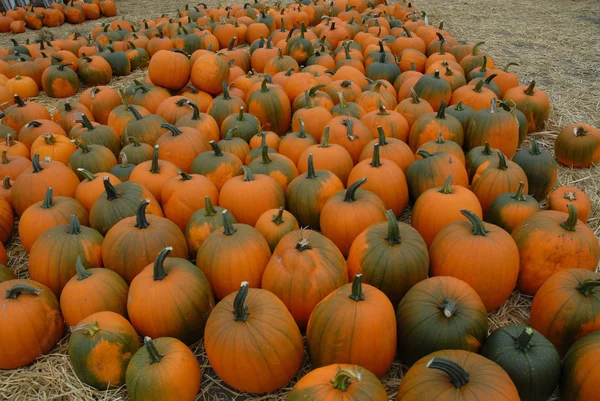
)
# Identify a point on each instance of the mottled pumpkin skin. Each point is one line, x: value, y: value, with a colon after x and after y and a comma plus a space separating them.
x: 580, y: 376
x: 563, y: 313
x: 535, y: 106
x: 581, y: 150
x: 487, y: 380
x: 302, y: 276
x: 176, y: 376
x: 534, y: 367
x: 508, y: 210
x: 498, y: 127
x: 427, y: 128
x: 236, y: 353
x: 30, y: 325
x: 218, y: 168
x: 100, y: 348
x: 491, y: 180
x: 391, y: 267
x: 465, y: 329
x: 342, y: 329
x: 176, y: 306
x: 317, y: 385
x: 545, y: 248
x: 201, y: 225
x: 561, y: 197
x: 540, y: 168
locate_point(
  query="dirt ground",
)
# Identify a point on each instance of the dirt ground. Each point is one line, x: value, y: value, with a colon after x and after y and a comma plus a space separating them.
x: 554, y: 41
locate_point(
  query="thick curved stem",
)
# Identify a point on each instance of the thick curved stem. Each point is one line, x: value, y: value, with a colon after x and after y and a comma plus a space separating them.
x: 278, y: 218
x: 571, y: 223
x: 159, y: 264
x: 154, y: 167
x: 587, y: 287
x: 501, y: 160
x: 170, y: 127
x: 111, y: 192
x: 343, y: 379
x: 82, y: 272
x: 35, y: 162
x: 520, y: 195
x: 447, y: 187
x: 153, y: 353
x: 530, y: 89
x: 240, y: 311
x: 18, y: 289
x: 265, y: 154
x: 350, y: 195
x: 228, y: 228
x: 75, y: 226
x: 325, y: 139
x: 357, y: 292
x: 414, y: 95
x: 442, y: 111
x: 478, y: 225
x: 458, y: 376
x: 393, y: 233
x: 141, y: 220
x: 248, y: 176
x: 375, y: 159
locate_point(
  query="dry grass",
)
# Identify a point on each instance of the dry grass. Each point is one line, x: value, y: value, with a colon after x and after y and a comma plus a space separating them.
x: 552, y: 43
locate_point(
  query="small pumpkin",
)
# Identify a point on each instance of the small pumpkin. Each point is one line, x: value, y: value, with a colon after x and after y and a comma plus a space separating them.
x: 60, y: 82
x: 561, y: 197
x: 427, y: 128
x: 578, y: 145
x: 533, y: 102
x: 202, y: 223
x: 509, y: 209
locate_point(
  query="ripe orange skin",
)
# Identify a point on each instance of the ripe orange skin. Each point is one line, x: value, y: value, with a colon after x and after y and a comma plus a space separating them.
x: 428, y: 127
x: 565, y: 195
x: 578, y: 145
x: 509, y: 209
x: 580, y: 373
x: 459, y: 249
x: 437, y: 207
x: 391, y: 149
x: 546, y: 246
x: 92, y: 187
x: 533, y: 102
x: 274, y: 224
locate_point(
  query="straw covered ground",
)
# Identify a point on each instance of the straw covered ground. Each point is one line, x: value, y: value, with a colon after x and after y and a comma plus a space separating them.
x: 554, y: 41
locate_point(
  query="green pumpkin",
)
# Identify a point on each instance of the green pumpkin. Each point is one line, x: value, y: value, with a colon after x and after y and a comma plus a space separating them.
x: 100, y: 348
x: 462, y: 113
x: 96, y: 135
x: 540, y: 167
x: 488, y: 84
x: 224, y: 105
x: 440, y: 313
x: 118, y: 60
x: 122, y: 170
x: 299, y: 47
x: 146, y: 129
x: 479, y: 155
x: 580, y: 374
x: 509, y: 209
x: 528, y: 357
x: 246, y: 125
x: 280, y: 167
x: 383, y: 68
x: 137, y: 152
x: 93, y: 158
x: 202, y: 223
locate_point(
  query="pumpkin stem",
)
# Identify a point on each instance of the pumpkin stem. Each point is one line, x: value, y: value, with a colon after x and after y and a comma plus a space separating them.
x: 501, y: 160
x: 75, y: 226
x: 325, y: 138
x: 37, y: 167
x: 350, y: 195
x: 343, y: 379
x: 458, y: 376
x: 82, y: 272
x: 6, y: 182
x: 62, y: 66
x: 447, y: 187
x: 524, y: 339
x: 442, y: 111
x: 89, y: 329
x: 141, y: 220
x: 217, y: 148
x: 375, y: 159
x: 579, y: 131
x: 382, y: 111
x: 571, y: 222
x: 414, y: 95
x: 159, y: 264
x: 265, y: 154
x: 487, y: 150
x: 263, y: 87
x: 155, y: 168
x: 124, y: 162
x: 240, y: 311
x: 459, y: 106
x: 174, y: 130
x: 484, y: 64
x: 314, y: 89
x: 489, y: 79
x: 111, y: 192
x: 228, y: 228
x: 381, y: 136
x: 19, y: 102
x: 48, y: 201
x: 588, y: 286
x: 248, y: 176
x: 357, y: 292
x: 278, y: 218
x: 343, y: 102
x: 440, y: 138
x: 303, y: 245
x: 475, y: 51
x: 568, y: 195
x: 311, y: 174
x: 84, y: 148
x: 135, y: 112
x: 134, y: 141
x: 393, y: 233
x: 18, y: 289
x: 478, y: 226
x: 301, y: 132
x: 493, y: 105
x: 423, y: 153
x: 478, y: 86
x: 209, y: 209
x: 448, y: 307
x: 196, y: 110
x: 350, y: 126
x: 155, y: 356
x: 49, y: 139
x: 519, y: 195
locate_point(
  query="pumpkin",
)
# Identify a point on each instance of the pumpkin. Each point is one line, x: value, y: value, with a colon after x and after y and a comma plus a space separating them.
x: 94, y: 158
x: 202, y: 223
x: 118, y: 60
x: 218, y: 166
x: 413, y: 107
x: 13, y: 166
x: 277, y: 166
x: 60, y: 82
x: 96, y: 134
x: 462, y: 113
x: 293, y: 144
x: 347, y: 109
x: 272, y: 107
x: 314, y: 117
x: 352, y: 382
x: 91, y: 291
x: 246, y: 125
x: 431, y: 171
x: 439, y: 206
x: 579, y: 376
x: 440, y: 145
x: 37, y: 128
x: 145, y: 128
x: 509, y: 209
x: 491, y: 180
x: 427, y: 128
x: 100, y: 348
x: 551, y: 241
x: 92, y: 187
x: 564, y: 308
x: 434, y: 90
x: 459, y: 248
x: 153, y: 174
x: 20, y: 114
x: 561, y: 197
x: 148, y: 96
x: 478, y: 156
x: 181, y: 145
x: 209, y: 71
x: 339, y: 322
x: 14, y: 148
x: 22, y: 86
x: 50, y: 212
x: 330, y: 157
x: 137, y: 152
x: 101, y: 100
x: 94, y: 71
x: 496, y: 126
x: 66, y: 113
x: 275, y: 224
x: 30, y: 324
x: 225, y: 105
x: 179, y: 287
x: 455, y: 315
x: 150, y: 233
x: 456, y: 375
x: 248, y: 253
x: 123, y: 170
x: 528, y: 357
x: 57, y: 147
x: 118, y: 202
x: 54, y: 253
x: 31, y: 185
x: 533, y: 102
x: 230, y: 341
x: 578, y: 145
x: 146, y: 377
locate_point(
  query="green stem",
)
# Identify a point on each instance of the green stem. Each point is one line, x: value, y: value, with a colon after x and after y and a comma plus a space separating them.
x: 350, y: 195
x: 240, y: 311
x: 375, y: 160
x: 588, y: 286
x: 414, y: 95
x: 478, y: 226
x: 248, y: 176
x: 84, y: 148
x: 154, y: 167
x: 75, y: 226
x: 447, y: 187
x: 153, y: 353
x: 357, y: 292
x: 278, y: 218
x: 48, y: 200
x: 174, y: 130
x: 325, y: 139
x: 440, y: 138
x: 82, y: 272
x: 141, y: 220
x: 524, y: 339
x: 501, y: 160
x: 424, y: 154
x: 476, y: 48
x: 519, y: 195
x: 6, y: 183
x: 458, y: 376
x: 535, y: 148
x: 35, y: 162
x: 265, y: 154
x: 159, y: 264
x: 228, y: 228
x: 442, y: 111
x: 135, y: 112
x: 478, y: 87
x: 303, y: 245
x: 209, y: 209
x: 530, y: 89
x: 382, y: 140
x: 393, y: 233
x: 571, y: 223
x: 343, y: 379
x: 134, y: 141
x: 111, y: 192
x: 579, y: 131
x: 18, y: 289
x: 448, y: 307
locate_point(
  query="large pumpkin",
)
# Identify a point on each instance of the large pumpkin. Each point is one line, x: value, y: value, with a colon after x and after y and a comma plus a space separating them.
x: 460, y: 248
x: 30, y: 323
x: 346, y: 214
x: 540, y: 168
x: 533, y: 102
x: 456, y: 375
x: 272, y: 107
x: 60, y: 82
x: 440, y: 313
x: 328, y: 383
x: 163, y: 369
x: 341, y: 324
x: 579, y: 381
x: 304, y: 268
x: 170, y: 69
x: 551, y: 241
x: 578, y: 145
x: 331, y: 157
x: 528, y: 357
x: 391, y: 256
x: 100, y: 348
x: 495, y: 126
x: 181, y: 290
x: 236, y: 353
x: 150, y: 234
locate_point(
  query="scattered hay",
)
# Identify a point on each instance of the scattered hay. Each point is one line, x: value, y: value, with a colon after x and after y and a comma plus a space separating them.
x: 551, y: 43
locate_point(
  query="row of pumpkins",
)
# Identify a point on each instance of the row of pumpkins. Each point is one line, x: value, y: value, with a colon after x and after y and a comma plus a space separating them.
x: 18, y: 19
x: 207, y: 171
